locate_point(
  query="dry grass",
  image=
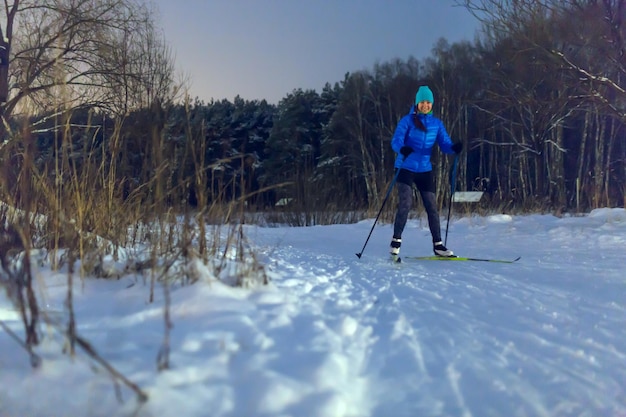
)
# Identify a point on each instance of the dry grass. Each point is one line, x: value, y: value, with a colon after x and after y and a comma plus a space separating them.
x: 70, y: 210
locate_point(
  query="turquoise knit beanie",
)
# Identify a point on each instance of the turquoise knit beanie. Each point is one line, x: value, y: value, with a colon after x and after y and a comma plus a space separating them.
x: 424, y: 94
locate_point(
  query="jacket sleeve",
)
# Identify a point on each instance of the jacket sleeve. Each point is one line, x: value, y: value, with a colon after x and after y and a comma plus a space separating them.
x: 443, y: 139
x: 399, y: 135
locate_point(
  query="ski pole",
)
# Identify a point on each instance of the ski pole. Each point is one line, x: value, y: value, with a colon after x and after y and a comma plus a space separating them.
x: 379, y: 211
x: 452, y: 189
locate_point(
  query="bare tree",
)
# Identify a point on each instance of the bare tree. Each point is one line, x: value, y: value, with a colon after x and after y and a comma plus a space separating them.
x: 354, y: 110
x: 554, y: 62
x: 140, y: 70
x: 63, y: 53
x: 592, y: 35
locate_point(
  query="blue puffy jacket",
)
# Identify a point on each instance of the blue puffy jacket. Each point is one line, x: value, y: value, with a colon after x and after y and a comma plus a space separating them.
x: 407, y: 134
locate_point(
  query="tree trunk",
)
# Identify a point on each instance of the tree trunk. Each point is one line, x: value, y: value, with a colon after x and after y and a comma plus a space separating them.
x: 598, y: 162
x: 6, y: 37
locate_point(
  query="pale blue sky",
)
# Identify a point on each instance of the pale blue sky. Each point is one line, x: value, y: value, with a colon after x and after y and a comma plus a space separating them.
x: 263, y: 49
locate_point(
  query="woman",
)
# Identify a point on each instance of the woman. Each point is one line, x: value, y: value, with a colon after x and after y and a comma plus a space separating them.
x: 413, y: 141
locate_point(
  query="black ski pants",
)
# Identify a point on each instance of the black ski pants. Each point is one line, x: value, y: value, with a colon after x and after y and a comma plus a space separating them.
x: 425, y: 183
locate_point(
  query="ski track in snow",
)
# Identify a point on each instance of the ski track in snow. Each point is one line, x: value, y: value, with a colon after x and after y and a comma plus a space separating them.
x: 338, y: 336
x: 464, y: 338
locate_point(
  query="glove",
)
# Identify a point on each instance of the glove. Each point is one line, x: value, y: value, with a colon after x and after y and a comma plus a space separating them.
x: 406, y: 151
x: 457, y: 147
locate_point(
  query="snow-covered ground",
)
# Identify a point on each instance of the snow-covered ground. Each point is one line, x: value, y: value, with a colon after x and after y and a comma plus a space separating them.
x: 334, y: 335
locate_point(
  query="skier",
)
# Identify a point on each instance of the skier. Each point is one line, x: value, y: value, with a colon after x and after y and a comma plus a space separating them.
x: 413, y: 139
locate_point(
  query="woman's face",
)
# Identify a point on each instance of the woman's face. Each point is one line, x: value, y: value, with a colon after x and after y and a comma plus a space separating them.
x: 424, y: 106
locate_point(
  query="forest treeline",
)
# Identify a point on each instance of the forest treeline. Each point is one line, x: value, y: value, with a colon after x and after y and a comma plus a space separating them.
x: 538, y: 100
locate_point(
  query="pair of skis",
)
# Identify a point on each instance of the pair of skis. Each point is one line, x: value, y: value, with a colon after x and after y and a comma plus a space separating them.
x: 456, y: 258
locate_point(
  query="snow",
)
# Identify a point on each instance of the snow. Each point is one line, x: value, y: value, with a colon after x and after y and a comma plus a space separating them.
x: 334, y: 335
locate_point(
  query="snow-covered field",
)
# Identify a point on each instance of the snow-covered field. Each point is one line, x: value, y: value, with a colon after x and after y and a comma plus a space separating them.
x: 334, y: 335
